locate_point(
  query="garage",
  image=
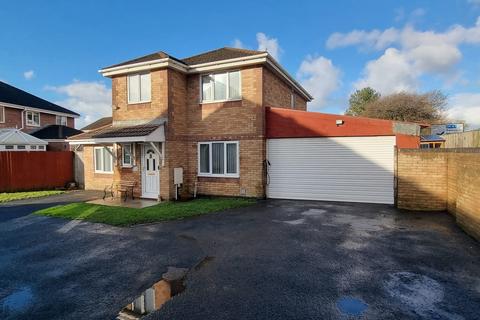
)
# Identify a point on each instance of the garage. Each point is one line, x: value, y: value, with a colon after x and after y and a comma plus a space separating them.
x: 356, y: 169
x: 317, y: 156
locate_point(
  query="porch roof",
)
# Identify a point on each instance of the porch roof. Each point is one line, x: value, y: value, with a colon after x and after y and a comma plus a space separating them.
x: 113, y: 134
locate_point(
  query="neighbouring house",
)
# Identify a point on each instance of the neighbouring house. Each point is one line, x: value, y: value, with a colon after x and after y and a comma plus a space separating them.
x: 431, y: 141
x: 56, y: 135
x: 24, y: 111
x: 233, y: 122
x: 16, y: 140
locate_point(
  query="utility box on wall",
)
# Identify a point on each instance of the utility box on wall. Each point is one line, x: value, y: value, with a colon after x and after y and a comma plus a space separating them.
x: 178, y: 176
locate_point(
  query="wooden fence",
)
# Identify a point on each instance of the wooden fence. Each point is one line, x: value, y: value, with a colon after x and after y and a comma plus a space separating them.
x: 22, y: 170
x: 469, y: 139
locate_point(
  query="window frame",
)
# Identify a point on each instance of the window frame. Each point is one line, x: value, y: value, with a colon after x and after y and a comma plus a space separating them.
x: 2, y: 114
x: 132, y: 155
x: 210, y: 165
x: 139, y: 88
x: 32, y: 124
x: 61, y: 120
x: 293, y: 99
x: 95, y: 159
x: 227, y: 85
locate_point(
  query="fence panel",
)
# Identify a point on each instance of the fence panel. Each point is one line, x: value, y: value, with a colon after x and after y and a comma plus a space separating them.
x: 23, y: 170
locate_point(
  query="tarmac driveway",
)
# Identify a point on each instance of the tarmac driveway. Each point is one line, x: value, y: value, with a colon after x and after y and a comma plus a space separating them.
x: 276, y: 260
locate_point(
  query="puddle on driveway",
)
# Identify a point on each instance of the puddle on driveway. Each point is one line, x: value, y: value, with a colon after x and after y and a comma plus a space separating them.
x: 17, y: 301
x: 351, y: 306
x: 171, y: 284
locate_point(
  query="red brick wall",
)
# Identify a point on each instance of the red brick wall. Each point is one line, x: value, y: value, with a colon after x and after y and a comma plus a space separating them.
x: 277, y: 93
x: 442, y: 179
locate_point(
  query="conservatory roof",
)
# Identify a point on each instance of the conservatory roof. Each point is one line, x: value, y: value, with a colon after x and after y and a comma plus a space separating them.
x: 17, y: 137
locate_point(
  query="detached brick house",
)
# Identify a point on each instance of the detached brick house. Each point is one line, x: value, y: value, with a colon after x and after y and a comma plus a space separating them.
x: 22, y: 110
x: 205, y: 114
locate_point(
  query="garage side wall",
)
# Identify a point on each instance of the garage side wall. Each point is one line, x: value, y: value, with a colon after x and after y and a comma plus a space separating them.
x: 445, y: 179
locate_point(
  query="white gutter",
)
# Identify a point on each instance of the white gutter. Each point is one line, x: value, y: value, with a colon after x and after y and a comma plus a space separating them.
x: 208, y: 66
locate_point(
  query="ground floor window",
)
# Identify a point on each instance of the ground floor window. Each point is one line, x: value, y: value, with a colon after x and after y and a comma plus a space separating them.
x: 127, y: 155
x: 103, y: 159
x: 218, y: 159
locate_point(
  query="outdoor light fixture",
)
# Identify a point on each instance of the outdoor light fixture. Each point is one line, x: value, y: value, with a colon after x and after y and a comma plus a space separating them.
x: 339, y: 122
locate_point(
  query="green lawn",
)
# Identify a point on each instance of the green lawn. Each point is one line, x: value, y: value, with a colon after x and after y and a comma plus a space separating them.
x: 10, y: 196
x: 120, y: 216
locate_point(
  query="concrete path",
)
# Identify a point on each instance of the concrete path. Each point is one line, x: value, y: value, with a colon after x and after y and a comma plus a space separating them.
x: 275, y: 260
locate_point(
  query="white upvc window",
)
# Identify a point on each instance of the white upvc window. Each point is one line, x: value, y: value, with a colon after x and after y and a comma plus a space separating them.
x: 220, y: 87
x: 2, y: 114
x: 33, y: 118
x: 61, y: 120
x: 139, y: 88
x: 103, y: 159
x: 127, y: 155
x: 219, y: 159
x: 292, y: 100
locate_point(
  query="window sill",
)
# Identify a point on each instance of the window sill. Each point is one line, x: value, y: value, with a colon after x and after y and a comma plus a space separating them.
x: 219, y: 176
x: 33, y: 125
x: 220, y: 101
x: 104, y: 172
x: 138, y: 102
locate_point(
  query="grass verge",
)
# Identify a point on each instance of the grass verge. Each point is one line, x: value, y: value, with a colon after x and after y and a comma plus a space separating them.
x: 120, y: 216
x: 11, y: 196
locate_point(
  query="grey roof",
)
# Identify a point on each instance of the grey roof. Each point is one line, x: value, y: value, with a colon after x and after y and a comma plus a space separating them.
x: 98, y: 124
x: 431, y: 138
x: 220, y: 54
x: 10, y: 94
x: 114, y: 132
x: 210, y: 56
x: 134, y: 131
x: 18, y: 137
x: 55, y: 131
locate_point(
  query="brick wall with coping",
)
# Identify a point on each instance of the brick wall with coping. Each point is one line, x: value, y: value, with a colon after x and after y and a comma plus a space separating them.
x: 442, y: 179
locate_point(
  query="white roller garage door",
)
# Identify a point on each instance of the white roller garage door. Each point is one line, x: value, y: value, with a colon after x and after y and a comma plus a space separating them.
x: 356, y: 169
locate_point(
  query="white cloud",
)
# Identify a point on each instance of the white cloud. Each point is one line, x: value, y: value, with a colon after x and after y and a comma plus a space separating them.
x: 320, y: 77
x: 389, y: 73
x: 269, y: 44
x: 29, y: 75
x: 409, y: 54
x: 92, y: 100
x: 238, y: 44
x: 465, y: 106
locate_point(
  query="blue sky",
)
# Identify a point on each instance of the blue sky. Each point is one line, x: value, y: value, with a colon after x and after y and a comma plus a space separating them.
x: 54, y: 49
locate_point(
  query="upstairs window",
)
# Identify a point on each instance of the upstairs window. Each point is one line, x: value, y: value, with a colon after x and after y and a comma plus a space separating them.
x: 33, y: 118
x: 62, y: 120
x: 218, y: 159
x: 139, y: 88
x: 2, y: 114
x: 292, y: 100
x: 221, y: 86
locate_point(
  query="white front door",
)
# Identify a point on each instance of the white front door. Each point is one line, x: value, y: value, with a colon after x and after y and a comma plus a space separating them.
x: 150, y: 173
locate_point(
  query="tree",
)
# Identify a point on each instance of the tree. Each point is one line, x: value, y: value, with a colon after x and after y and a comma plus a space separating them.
x: 428, y: 107
x: 359, y: 99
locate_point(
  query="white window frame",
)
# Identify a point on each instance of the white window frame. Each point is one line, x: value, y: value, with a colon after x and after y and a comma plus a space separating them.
x: 139, y: 88
x: 132, y: 155
x: 95, y: 159
x: 2, y: 114
x: 292, y: 100
x: 32, y: 123
x: 61, y: 122
x: 202, y: 101
x: 210, y: 174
